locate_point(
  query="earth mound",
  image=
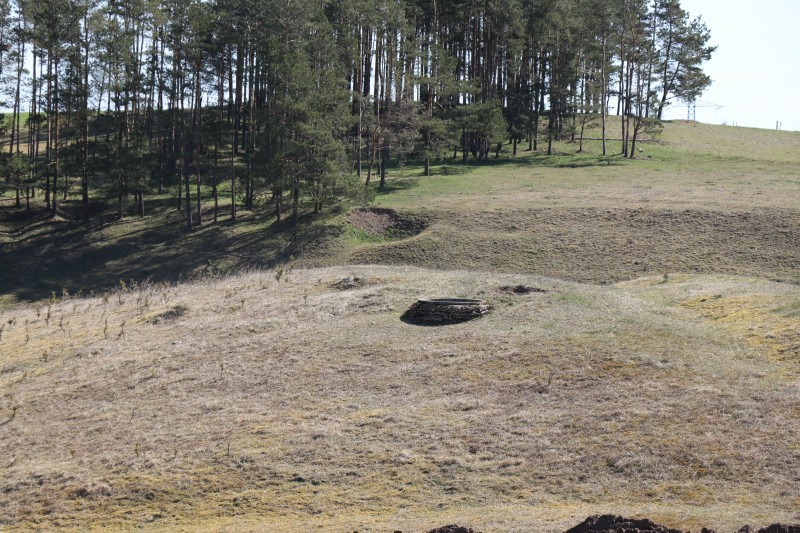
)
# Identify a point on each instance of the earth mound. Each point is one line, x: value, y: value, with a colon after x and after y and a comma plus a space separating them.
x: 452, y: 529
x: 520, y: 289
x: 619, y: 524
x: 386, y: 223
x: 350, y: 282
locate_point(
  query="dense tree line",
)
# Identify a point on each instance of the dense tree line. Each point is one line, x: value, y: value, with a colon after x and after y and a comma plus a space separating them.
x: 289, y: 102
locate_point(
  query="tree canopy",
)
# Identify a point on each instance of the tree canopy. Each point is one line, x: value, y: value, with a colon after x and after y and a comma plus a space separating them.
x: 286, y: 103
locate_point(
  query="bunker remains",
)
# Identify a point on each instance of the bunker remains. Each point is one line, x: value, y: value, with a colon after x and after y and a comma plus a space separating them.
x: 441, y: 311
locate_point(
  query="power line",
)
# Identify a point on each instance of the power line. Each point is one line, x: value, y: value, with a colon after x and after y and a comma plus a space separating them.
x: 691, y: 108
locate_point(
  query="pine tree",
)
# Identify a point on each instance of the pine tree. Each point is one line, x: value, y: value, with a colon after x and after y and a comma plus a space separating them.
x: 273, y: 97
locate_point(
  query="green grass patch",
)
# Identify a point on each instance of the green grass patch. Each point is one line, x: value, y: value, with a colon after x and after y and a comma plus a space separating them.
x: 572, y: 298
x: 356, y: 236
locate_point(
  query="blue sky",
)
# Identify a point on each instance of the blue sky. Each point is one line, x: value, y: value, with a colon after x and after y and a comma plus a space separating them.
x: 756, y: 68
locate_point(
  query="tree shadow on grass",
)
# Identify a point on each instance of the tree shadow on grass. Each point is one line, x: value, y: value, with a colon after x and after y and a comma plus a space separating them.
x: 455, y: 167
x: 67, y: 255
x: 396, y: 184
x: 556, y: 160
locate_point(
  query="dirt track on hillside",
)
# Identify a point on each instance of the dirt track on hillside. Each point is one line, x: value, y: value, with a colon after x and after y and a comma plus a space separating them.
x: 604, y: 246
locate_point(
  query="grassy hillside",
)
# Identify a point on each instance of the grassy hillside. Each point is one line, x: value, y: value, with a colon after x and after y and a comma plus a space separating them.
x: 248, y: 401
x: 42, y: 255
x: 654, y: 374
x: 702, y: 199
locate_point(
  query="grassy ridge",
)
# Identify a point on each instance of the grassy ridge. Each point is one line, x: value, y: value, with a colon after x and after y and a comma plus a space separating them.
x: 247, y: 401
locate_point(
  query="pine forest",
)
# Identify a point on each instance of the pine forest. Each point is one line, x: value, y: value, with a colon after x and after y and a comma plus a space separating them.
x: 295, y: 104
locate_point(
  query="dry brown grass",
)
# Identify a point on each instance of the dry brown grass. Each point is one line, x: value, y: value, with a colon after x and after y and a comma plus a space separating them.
x: 293, y: 405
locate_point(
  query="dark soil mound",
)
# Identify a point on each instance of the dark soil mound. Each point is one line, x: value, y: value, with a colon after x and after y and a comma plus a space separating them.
x: 443, y: 311
x: 452, y: 529
x: 780, y: 528
x: 386, y: 223
x: 618, y: 524
x: 520, y: 289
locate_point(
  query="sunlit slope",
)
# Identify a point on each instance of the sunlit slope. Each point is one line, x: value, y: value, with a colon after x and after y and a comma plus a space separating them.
x: 249, y: 401
x: 701, y: 199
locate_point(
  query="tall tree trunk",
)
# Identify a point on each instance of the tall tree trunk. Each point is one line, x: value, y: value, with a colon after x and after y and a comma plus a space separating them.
x: 55, y: 148
x: 237, y: 113
x: 174, y: 98
x: 160, y: 141
x: 185, y: 159
x: 251, y: 123
x: 197, y: 128
x: 15, y: 117
x: 33, y: 128
x: 603, y: 89
x: 85, y: 123
x: 218, y: 137
x: 49, y: 143
x: 120, y: 170
x: 358, y: 95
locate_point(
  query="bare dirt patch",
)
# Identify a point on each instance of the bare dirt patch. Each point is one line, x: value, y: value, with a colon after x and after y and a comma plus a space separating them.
x: 520, y: 289
x: 386, y: 223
